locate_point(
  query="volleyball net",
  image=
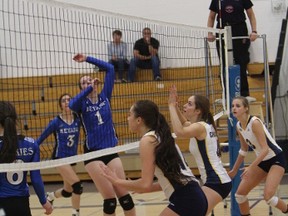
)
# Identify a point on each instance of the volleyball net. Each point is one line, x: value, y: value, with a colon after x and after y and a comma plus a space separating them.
x: 39, y: 40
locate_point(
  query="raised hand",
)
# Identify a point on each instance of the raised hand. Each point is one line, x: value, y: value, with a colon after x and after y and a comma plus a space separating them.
x: 173, y: 97
x: 79, y: 58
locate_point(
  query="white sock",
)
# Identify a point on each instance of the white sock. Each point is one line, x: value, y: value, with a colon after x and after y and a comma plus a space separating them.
x: 51, y: 196
x: 75, y: 212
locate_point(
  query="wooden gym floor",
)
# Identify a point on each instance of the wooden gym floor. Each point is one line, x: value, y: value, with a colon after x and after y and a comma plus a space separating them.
x: 150, y: 204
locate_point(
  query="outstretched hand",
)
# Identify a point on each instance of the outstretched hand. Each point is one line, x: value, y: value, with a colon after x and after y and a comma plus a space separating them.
x: 173, y: 97
x: 109, y: 174
x: 79, y: 58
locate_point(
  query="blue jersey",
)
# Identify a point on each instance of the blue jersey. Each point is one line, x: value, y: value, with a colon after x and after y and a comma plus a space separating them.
x: 66, y: 136
x: 97, y: 117
x: 14, y: 184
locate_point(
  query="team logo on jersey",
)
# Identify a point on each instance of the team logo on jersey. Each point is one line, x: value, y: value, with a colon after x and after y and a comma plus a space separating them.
x: 229, y: 9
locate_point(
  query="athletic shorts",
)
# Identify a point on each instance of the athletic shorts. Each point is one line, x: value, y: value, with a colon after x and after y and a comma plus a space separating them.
x: 14, y: 206
x: 189, y: 200
x: 222, y: 189
x: 279, y: 160
x: 105, y: 159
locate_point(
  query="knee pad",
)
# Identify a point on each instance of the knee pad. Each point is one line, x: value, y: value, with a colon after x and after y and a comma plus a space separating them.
x: 109, y: 206
x: 66, y: 194
x: 273, y: 201
x: 126, y: 202
x: 240, y: 198
x: 77, y: 188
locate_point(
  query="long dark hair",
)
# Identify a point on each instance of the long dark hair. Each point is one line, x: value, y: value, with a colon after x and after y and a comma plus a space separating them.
x: 167, y: 157
x: 8, y: 118
x: 202, y: 103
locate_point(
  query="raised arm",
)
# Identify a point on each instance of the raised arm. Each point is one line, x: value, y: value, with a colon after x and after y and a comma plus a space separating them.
x: 110, y: 74
x: 76, y: 102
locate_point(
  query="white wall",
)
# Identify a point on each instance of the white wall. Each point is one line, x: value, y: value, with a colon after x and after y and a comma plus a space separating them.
x: 192, y: 12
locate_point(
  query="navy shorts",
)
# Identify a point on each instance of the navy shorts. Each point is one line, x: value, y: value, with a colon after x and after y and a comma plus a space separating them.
x: 279, y: 160
x: 222, y: 189
x: 105, y: 159
x: 189, y: 200
x: 13, y: 206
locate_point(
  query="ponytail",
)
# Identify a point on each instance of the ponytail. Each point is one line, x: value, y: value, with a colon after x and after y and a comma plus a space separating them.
x: 167, y: 157
x: 166, y: 154
x: 10, y: 140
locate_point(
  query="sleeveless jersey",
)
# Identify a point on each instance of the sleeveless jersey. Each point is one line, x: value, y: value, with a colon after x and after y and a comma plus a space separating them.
x: 252, y: 141
x: 164, y: 182
x: 205, y: 153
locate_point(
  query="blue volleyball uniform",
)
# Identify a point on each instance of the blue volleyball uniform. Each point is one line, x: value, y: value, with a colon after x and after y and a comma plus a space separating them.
x: 97, y: 117
x: 14, y: 184
x: 66, y: 136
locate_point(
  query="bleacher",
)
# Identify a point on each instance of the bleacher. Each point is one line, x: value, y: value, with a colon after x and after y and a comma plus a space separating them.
x: 36, y: 101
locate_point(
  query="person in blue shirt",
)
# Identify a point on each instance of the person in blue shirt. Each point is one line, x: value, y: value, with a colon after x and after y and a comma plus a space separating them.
x: 117, y: 55
x: 14, y: 148
x: 100, y: 134
x: 66, y: 129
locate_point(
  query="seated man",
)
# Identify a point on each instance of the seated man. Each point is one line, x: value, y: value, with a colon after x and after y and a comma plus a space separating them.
x: 117, y: 54
x: 145, y: 55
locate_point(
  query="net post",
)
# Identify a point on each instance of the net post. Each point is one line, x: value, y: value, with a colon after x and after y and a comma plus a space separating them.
x: 234, y: 144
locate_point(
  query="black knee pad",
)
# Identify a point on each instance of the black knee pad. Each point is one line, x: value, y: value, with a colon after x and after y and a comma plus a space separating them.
x: 109, y: 206
x: 77, y: 188
x: 66, y: 194
x: 126, y: 202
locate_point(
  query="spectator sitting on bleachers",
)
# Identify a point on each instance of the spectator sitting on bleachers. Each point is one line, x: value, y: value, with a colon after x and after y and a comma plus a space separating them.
x: 145, y: 53
x: 117, y: 52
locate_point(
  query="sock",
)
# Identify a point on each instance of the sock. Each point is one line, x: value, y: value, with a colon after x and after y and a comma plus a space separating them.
x: 75, y: 212
x: 51, y: 196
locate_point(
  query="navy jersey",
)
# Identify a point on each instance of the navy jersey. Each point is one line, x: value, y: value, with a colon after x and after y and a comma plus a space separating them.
x: 66, y: 136
x: 232, y: 11
x: 14, y: 184
x: 97, y: 117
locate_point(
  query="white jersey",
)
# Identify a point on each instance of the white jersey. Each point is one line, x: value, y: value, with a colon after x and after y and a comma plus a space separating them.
x: 252, y: 141
x: 205, y: 153
x: 165, y: 184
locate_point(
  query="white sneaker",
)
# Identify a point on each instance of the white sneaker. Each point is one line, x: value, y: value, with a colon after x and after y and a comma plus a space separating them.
x: 250, y: 99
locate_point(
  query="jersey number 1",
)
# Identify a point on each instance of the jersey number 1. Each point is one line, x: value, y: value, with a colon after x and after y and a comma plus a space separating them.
x: 99, y: 117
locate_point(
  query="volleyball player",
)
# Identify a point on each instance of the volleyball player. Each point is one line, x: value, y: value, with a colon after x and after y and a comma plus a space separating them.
x: 66, y: 129
x: 100, y: 134
x: 197, y: 123
x: 14, y: 148
x: 160, y: 156
x: 269, y: 163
